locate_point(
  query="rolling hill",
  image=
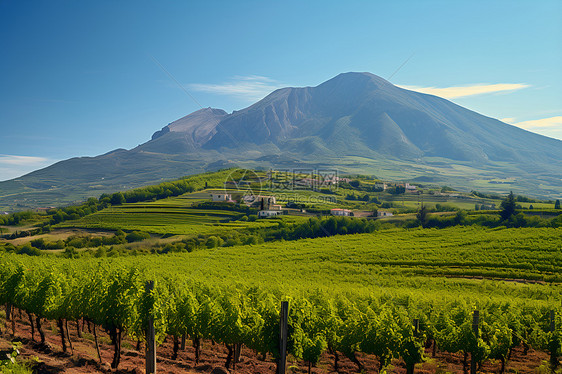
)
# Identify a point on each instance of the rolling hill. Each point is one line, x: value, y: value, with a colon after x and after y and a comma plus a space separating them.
x: 354, y: 122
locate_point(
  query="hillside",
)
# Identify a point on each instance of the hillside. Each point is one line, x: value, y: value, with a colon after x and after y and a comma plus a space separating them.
x: 347, y: 279
x: 355, y: 122
x: 341, y: 290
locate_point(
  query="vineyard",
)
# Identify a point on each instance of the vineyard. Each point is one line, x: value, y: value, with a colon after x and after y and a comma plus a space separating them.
x: 352, y: 297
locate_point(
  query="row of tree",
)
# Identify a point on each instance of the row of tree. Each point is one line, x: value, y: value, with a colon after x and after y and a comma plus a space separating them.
x: 508, y: 216
x: 113, y: 296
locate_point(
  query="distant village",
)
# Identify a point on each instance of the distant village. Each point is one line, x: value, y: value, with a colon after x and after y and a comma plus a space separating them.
x: 268, y: 207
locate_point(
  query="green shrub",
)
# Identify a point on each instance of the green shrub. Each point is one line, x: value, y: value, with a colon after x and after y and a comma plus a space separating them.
x: 29, y: 250
x: 137, y: 236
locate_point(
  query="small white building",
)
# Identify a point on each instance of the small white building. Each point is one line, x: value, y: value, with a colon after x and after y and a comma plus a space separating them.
x: 381, y: 185
x: 269, y: 213
x: 382, y: 213
x: 225, y: 197
x: 341, y: 212
x: 409, y: 187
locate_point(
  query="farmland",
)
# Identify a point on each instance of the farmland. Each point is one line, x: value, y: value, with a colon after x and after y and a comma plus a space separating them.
x: 394, y: 271
x: 218, y: 262
x: 163, y: 219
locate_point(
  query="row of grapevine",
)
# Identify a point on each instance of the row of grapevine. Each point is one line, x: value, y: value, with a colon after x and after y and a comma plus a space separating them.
x: 112, y: 295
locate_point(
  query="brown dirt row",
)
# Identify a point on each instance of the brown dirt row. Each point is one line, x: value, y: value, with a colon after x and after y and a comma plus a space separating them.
x: 84, y: 358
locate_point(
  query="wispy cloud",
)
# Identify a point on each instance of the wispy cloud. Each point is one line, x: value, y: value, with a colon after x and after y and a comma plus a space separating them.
x: 12, y: 166
x: 470, y: 90
x: 543, y: 123
x: 21, y: 160
x: 251, y: 88
x: 551, y: 126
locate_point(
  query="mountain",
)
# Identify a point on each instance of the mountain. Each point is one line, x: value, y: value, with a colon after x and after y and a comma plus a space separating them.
x: 378, y: 116
x: 354, y: 122
x: 186, y: 134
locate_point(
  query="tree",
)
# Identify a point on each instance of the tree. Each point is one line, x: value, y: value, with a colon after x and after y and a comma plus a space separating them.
x: 422, y: 216
x: 557, y: 204
x: 397, y: 190
x: 117, y: 198
x: 508, y: 206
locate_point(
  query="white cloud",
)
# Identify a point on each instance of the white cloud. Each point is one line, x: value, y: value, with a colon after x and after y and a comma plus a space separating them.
x: 251, y: 88
x: 508, y: 120
x: 462, y: 91
x: 551, y: 126
x: 551, y: 122
x: 21, y: 160
x: 14, y: 166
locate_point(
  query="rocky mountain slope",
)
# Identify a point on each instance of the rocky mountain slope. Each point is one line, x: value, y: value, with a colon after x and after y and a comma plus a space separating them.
x: 354, y: 122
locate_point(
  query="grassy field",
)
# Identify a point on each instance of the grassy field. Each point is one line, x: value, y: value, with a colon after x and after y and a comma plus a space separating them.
x: 455, y: 263
x: 216, y: 262
x: 345, y: 288
x: 179, y: 215
x: 393, y: 260
x: 173, y: 215
x: 160, y: 219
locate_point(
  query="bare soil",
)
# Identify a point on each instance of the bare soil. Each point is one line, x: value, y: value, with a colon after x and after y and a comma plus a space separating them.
x: 58, y: 234
x: 83, y: 358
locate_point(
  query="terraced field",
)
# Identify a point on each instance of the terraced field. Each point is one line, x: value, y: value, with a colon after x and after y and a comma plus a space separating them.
x: 174, y: 216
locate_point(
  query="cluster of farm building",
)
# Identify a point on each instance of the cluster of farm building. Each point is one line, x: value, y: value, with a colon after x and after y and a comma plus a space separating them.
x: 268, y: 207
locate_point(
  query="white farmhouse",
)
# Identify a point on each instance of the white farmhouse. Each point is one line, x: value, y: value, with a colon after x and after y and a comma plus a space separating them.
x: 341, y: 212
x: 382, y: 213
x: 410, y: 188
x: 268, y: 213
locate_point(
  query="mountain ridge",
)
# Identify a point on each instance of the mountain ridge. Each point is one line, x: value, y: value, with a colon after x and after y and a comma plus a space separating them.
x: 356, y: 122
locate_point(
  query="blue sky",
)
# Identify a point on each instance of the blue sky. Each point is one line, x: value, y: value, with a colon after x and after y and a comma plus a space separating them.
x: 83, y: 78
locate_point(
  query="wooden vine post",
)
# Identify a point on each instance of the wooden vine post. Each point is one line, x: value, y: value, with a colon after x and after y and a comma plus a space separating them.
x: 283, y: 335
x: 475, y: 321
x: 150, y: 338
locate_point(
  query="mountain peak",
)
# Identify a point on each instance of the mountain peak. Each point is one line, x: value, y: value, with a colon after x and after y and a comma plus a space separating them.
x: 358, y: 80
x: 356, y: 75
x: 188, y: 132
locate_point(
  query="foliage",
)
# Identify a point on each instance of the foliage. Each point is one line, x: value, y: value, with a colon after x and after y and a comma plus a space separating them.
x: 112, y: 294
x: 137, y: 236
x: 422, y: 216
x: 16, y: 218
x: 508, y: 207
x: 10, y: 364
